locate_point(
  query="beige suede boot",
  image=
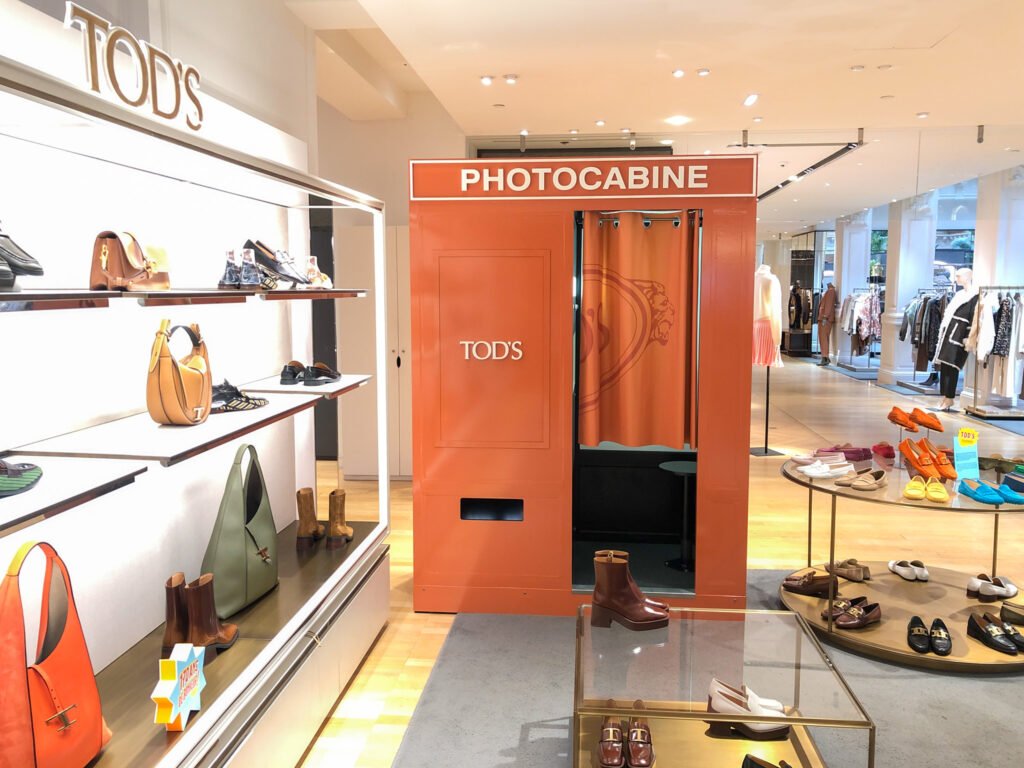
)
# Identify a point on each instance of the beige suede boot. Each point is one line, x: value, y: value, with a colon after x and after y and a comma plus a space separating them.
x: 310, y: 531
x: 339, y: 534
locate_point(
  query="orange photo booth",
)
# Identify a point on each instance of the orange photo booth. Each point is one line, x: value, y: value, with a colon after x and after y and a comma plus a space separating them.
x: 495, y: 278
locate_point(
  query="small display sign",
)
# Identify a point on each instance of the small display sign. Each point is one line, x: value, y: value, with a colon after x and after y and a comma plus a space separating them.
x: 965, y: 453
x: 181, y: 682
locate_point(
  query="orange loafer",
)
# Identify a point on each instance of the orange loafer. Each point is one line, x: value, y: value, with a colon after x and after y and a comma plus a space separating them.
x: 901, y: 418
x: 926, y: 420
x: 920, y: 462
x: 941, y: 461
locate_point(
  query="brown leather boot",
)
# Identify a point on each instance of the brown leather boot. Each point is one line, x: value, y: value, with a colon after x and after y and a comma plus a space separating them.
x: 205, y: 628
x: 176, y: 626
x: 310, y: 531
x: 636, y: 589
x: 614, y: 599
x: 338, y: 534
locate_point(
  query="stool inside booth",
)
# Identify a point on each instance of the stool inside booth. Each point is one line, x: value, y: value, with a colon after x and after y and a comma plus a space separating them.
x: 580, y: 365
x: 636, y: 311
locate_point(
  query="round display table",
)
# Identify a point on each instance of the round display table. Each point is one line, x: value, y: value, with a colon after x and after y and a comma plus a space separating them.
x: 942, y: 596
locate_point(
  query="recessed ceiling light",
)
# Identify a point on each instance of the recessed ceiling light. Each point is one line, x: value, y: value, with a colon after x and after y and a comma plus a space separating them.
x: 707, y: 151
x: 677, y: 73
x: 857, y: 68
x: 887, y: 96
x: 623, y: 130
x: 574, y: 131
x: 511, y: 79
x: 524, y: 132
x: 758, y: 119
x: 750, y: 101
x: 875, y: 141
x: 486, y: 80
x: 922, y: 115
x: 828, y: 183
x: 893, y: 200
x: 667, y: 142
x: 599, y: 123
x: 884, y: 66
x: 703, y: 71
x: 678, y: 120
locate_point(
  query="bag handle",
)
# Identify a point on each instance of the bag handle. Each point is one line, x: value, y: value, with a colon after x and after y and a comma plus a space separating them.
x: 239, y: 455
x: 129, y: 244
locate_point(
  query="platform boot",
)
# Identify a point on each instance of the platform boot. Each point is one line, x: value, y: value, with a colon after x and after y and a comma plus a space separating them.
x: 204, y: 628
x: 636, y: 589
x: 310, y: 529
x: 339, y: 534
x: 615, y: 600
x: 176, y: 625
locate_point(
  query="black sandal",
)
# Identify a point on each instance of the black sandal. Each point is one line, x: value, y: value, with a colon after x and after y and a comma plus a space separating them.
x: 17, y: 478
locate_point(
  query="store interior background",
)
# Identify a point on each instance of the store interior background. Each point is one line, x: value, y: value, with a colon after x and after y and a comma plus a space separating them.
x: 365, y: 86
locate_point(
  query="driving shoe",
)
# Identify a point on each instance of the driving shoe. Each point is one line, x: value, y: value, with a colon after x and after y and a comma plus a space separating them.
x: 884, y: 453
x: 901, y: 418
x: 614, y: 599
x: 842, y: 605
x: 935, y: 491
x: 812, y: 585
x: 610, y: 751
x: 940, y: 641
x: 1007, y: 493
x: 850, y: 569
x: 919, y: 461
x: 847, y: 480
x: 859, y: 616
x: 983, y: 494
x: 1011, y: 631
x: 926, y: 420
x: 917, y: 635
x: 917, y: 488
x: 640, y: 594
x: 870, y: 481
x: 639, y: 746
x: 991, y: 634
x: 939, y: 459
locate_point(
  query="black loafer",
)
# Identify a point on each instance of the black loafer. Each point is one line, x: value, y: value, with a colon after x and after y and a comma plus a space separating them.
x: 1011, y: 631
x: 1012, y: 612
x: 991, y: 634
x: 917, y: 635
x: 16, y: 257
x: 293, y: 372
x: 320, y: 373
x: 6, y: 275
x: 941, y: 642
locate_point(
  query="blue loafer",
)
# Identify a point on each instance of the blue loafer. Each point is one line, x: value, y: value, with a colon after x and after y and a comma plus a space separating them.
x: 984, y: 494
x: 1008, y: 494
x: 1014, y: 481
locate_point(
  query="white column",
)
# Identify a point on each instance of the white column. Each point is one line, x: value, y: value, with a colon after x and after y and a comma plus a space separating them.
x: 776, y: 256
x: 853, y: 256
x: 910, y: 261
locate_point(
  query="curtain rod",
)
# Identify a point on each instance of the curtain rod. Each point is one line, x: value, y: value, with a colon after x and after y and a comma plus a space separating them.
x: 1001, y: 288
x: 646, y: 220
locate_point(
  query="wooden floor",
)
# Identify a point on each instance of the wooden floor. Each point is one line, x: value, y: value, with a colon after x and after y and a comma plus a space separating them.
x: 810, y: 408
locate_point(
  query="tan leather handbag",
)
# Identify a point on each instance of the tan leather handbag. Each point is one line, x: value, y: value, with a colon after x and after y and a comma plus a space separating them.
x: 120, y: 263
x: 179, y: 391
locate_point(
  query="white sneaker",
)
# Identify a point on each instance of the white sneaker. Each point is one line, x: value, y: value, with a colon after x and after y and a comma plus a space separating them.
x: 903, y: 569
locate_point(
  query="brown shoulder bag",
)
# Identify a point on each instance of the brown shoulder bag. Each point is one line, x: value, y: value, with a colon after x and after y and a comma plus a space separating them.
x: 120, y: 263
x: 179, y: 391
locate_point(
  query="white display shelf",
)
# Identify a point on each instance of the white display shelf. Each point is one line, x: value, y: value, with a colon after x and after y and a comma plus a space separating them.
x: 20, y: 301
x: 65, y: 484
x: 330, y: 391
x: 138, y: 437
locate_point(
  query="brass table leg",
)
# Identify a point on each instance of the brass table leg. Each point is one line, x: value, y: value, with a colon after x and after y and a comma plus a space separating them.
x: 810, y: 521
x: 995, y: 543
x: 832, y: 582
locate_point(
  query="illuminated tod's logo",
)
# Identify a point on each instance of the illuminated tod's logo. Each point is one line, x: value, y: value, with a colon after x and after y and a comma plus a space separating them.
x: 492, y: 350
x: 102, y: 40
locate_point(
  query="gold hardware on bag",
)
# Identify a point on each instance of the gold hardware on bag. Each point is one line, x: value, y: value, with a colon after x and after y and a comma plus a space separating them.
x: 66, y: 722
x: 104, y: 255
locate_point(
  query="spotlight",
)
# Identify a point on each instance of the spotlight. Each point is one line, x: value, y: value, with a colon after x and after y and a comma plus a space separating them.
x: 677, y: 73
x: 750, y: 101
x: 703, y: 72
x: 511, y: 79
x: 486, y: 80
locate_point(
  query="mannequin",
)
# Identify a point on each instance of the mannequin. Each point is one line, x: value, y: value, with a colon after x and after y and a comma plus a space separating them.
x: 826, y: 319
x: 767, y: 318
x: 796, y: 308
x: 951, y: 353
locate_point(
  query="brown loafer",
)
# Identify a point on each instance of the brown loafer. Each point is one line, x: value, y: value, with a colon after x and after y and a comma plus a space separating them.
x: 639, y: 747
x: 842, y: 606
x: 610, y: 750
x: 859, y: 616
x: 813, y: 584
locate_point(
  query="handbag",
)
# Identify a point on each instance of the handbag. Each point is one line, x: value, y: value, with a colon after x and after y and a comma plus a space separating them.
x: 242, y: 553
x: 179, y: 391
x: 120, y: 263
x: 51, y: 715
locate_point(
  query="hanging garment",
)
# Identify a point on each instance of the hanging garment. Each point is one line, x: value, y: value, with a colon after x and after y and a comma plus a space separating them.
x: 767, y: 318
x: 806, y: 302
x: 1004, y: 366
x: 635, y: 333
x: 795, y: 309
x: 929, y: 332
x: 952, y: 350
x: 909, y: 313
x: 1004, y: 327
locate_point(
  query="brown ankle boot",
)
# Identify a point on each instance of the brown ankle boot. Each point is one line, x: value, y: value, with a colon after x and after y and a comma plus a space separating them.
x: 636, y: 589
x: 614, y: 599
x: 339, y: 534
x: 310, y: 531
x: 205, y: 628
x: 176, y: 626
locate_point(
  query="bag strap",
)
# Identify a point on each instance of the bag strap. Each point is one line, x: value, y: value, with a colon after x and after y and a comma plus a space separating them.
x: 195, y: 338
x: 60, y: 714
x: 242, y: 450
x: 239, y: 455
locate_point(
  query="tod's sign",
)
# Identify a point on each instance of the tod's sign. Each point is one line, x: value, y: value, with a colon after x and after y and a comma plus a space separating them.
x: 178, y: 94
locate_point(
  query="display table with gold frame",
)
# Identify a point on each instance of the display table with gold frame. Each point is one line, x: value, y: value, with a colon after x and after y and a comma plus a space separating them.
x: 943, y: 595
x: 663, y: 676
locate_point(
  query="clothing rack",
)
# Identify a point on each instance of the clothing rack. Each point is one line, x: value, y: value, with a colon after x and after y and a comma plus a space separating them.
x: 974, y: 410
x: 873, y: 339
x: 925, y: 292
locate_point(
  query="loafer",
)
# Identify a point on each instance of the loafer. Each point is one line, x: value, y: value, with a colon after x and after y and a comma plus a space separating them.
x: 1006, y: 493
x: 926, y: 420
x: 901, y: 418
x: 812, y: 584
x: 935, y: 491
x: 991, y: 634
x: 842, y: 606
x: 752, y: 761
x: 916, y: 489
x: 7, y: 277
x: 987, y: 590
x: 903, y: 569
x: 920, y: 571
x: 939, y: 459
x: 870, y: 481
x: 319, y: 373
x: 722, y: 702
x: 917, y: 635
x: 611, y: 748
x: 920, y: 461
x: 827, y: 471
x: 17, y: 259
x: 275, y: 262
x: 805, y: 460
x: 1012, y: 612
x: 850, y: 569
x: 859, y: 616
x: 847, y: 480
x: 746, y: 694
x: 639, y: 745
x: 1011, y: 631
x: 1014, y: 481
x: 885, y: 454
x: 293, y: 372
x: 983, y: 494
x: 939, y: 639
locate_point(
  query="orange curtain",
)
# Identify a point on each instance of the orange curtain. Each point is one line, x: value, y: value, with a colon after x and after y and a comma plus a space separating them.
x: 634, y: 375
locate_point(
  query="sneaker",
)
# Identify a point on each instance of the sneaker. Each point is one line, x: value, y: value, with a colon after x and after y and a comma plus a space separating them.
x: 232, y: 276
x: 250, y: 274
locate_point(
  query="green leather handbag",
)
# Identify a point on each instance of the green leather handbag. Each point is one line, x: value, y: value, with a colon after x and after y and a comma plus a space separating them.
x: 242, y: 553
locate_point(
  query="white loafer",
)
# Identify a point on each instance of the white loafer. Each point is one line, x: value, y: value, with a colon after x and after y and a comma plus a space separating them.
x: 744, y: 692
x: 827, y: 470
x: 903, y: 569
x: 919, y: 570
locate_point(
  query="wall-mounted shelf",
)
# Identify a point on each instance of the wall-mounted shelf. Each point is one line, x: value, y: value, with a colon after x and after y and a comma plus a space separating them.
x: 330, y: 391
x: 287, y: 294
x: 138, y: 437
x: 65, y: 484
x: 20, y: 301
x: 192, y: 297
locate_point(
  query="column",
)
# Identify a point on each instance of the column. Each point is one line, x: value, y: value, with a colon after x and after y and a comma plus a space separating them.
x: 776, y: 256
x: 910, y: 261
x: 853, y: 256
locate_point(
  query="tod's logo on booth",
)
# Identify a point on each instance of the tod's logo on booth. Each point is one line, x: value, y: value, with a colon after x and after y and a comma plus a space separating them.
x: 102, y: 40
x: 492, y: 350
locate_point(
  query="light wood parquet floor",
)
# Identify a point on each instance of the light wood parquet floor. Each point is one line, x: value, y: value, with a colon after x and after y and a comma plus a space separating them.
x: 810, y: 408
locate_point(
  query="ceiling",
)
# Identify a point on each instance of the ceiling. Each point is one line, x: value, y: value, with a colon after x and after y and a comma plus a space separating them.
x: 578, y: 61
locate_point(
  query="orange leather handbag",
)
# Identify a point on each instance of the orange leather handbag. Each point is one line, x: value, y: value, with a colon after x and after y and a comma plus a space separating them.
x: 179, y: 391
x: 120, y: 263
x: 51, y: 715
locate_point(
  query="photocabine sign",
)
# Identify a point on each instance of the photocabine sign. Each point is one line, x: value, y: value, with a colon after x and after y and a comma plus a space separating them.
x: 575, y: 179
